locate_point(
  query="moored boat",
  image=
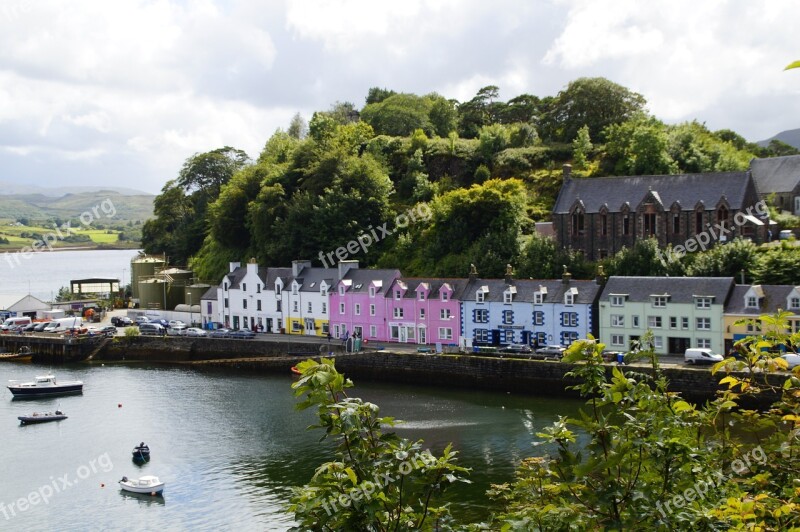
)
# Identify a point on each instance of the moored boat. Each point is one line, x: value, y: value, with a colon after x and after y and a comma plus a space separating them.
x: 141, y: 452
x: 147, y: 484
x: 42, y: 417
x: 43, y: 386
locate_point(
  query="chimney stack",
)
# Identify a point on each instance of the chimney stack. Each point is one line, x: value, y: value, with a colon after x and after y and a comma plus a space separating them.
x: 298, y: 265
x: 567, y: 169
x: 566, y: 277
x: 473, y: 272
x: 509, y: 274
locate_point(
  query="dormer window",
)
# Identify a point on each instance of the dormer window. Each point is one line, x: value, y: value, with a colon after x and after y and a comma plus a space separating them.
x: 659, y: 301
x: 244, y: 287
x: 479, y: 296
x: 323, y: 290
x: 294, y: 289
x: 794, y: 303
x: 422, y: 296
x: 751, y: 302
x: 278, y: 289
x: 341, y: 290
x: 397, y: 294
x: 617, y: 301
x: 225, y: 286
x: 569, y: 298
x: 371, y: 291
x: 445, y: 297
x: 702, y: 302
x: 258, y: 288
x: 507, y: 297
x: 538, y: 298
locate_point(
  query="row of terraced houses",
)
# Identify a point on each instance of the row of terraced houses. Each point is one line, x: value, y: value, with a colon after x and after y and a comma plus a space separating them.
x: 380, y: 305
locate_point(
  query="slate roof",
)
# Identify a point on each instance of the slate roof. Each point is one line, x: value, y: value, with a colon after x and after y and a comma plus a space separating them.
x: 211, y: 293
x: 361, y: 279
x: 284, y: 273
x: 680, y: 289
x: 686, y: 189
x: 587, y: 290
x: 235, y: 277
x: 774, y: 298
x: 434, y: 285
x: 310, y: 278
x: 776, y: 174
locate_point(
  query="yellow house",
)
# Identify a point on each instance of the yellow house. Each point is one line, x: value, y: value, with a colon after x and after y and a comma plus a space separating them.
x: 748, y: 302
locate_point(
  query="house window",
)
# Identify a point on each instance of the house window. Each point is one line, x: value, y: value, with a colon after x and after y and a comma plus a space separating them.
x: 507, y: 297
x: 508, y: 337
x: 676, y: 224
x: 277, y: 290
x: 294, y: 289
x: 540, y: 338
x: 373, y: 331
x: 244, y: 287
x: 658, y: 342
x: 258, y: 288
x: 698, y: 222
x: 660, y: 301
x: 604, y: 225
x: 372, y: 310
x: 508, y: 317
x: 422, y: 313
x: 445, y: 296
x: 649, y: 224
x: 277, y: 306
x: 702, y: 302
x: 479, y: 296
x: 538, y: 318
x: 371, y: 291
x: 617, y: 339
x: 226, y: 302
x: 752, y: 302
x: 480, y: 316
x: 323, y: 290
x: 635, y: 322
x: 704, y: 343
x: 258, y: 304
x: 244, y: 303
x: 703, y: 324
x: 538, y: 298
x: 397, y: 294
x: 577, y: 223
x: 445, y: 333
x: 341, y: 308
x: 569, y: 319
x: 754, y: 326
x: 722, y: 216
x: 654, y: 322
x: 294, y: 307
x: 569, y: 298
x: 357, y: 309
x: 481, y: 335
x: 341, y: 290
x: 444, y: 314
x: 398, y: 312
x: 684, y: 322
x: 626, y: 225
x: 394, y: 332
x: 310, y: 308
x: 324, y: 308
x: 673, y: 322
x: 225, y: 286
x: 794, y: 302
x: 422, y: 296
x: 617, y: 301
x: 617, y: 320
x: 567, y: 337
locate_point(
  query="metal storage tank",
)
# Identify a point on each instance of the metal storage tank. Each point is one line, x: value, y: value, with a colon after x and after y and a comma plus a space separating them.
x: 177, y: 276
x: 194, y: 292
x: 152, y: 293
x: 143, y: 267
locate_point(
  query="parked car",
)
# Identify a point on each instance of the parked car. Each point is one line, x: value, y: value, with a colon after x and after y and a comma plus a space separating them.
x: 516, y: 348
x: 30, y: 327
x: 142, y: 319
x: 242, y: 334
x: 555, y: 351
x: 194, y: 331
x: 701, y: 355
x: 121, y: 321
x: 220, y: 333
x: 792, y: 359
x: 151, y: 329
x: 174, y: 323
x: 41, y: 326
x: 177, y: 330
x: 108, y: 330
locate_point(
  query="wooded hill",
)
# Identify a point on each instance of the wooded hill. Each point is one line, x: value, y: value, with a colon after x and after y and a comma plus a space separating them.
x: 485, y: 170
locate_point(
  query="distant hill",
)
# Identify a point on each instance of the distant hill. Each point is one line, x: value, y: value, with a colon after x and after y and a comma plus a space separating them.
x: 8, y: 188
x: 38, y: 206
x: 790, y: 137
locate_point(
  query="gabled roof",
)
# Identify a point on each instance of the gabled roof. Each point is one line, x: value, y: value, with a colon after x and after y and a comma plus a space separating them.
x: 774, y: 299
x: 680, y: 289
x: 285, y: 273
x: 311, y: 278
x: 235, y: 277
x: 434, y: 285
x: 686, y: 189
x: 211, y: 293
x: 361, y: 279
x: 526, y: 288
x: 776, y: 174
x: 21, y: 302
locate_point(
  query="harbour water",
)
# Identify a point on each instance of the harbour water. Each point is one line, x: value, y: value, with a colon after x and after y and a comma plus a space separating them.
x: 41, y: 274
x: 229, y: 445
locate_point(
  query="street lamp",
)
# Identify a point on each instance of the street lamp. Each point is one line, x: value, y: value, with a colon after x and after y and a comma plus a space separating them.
x: 190, y: 309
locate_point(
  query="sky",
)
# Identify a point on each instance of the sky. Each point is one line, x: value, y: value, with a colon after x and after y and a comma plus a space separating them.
x: 121, y: 93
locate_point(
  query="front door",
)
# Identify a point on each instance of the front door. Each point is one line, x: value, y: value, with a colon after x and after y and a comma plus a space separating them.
x: 403, y: 332
x: 797, y: 205
x: 310, y: 327
x: 236, y: 322
x: 678, y: 346
x: 422, y: 335
x: 269, y: 325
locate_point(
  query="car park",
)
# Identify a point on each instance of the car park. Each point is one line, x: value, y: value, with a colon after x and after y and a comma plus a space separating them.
x: 792, y: 359
x: 195, y: 331
x: 555, y: 351
x: 701, y: 355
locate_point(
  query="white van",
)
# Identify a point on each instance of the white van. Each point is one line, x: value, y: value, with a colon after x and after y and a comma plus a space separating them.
x: 14, y: 323
x: 64, y: 324
x: 701, y: 355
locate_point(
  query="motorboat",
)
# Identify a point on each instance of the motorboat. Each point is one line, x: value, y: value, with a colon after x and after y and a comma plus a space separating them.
x: 147, y: 484
x: 42, y: 417
x: 43, y: 386
x: 141, y: 452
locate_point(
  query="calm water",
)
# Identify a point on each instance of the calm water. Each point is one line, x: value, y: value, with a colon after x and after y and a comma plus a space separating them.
x: 229, y: 446
x: 42, y: 274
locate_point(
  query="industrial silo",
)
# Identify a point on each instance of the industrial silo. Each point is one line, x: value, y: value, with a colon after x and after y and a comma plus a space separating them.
x: 194, y: 292
x: 142, y: 268
x: 153, y: 293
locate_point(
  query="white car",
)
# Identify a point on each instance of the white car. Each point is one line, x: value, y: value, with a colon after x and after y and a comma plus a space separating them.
x: 701, y: 355
x: 177, y: 330
x: 793, y: 359
x: 194, y: 331
x: 175, y: 323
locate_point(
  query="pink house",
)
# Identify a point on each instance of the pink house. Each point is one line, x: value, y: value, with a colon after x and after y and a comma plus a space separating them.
x: 424, y: 311
x: 357, y: 304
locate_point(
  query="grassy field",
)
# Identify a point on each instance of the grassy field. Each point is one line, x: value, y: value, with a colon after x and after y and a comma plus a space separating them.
x: 21, y: 236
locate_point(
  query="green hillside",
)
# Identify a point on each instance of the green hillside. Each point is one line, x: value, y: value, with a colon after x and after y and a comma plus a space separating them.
x: 41, y: 208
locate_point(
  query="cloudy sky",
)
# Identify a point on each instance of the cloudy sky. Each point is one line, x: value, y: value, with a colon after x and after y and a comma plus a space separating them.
x: 95, y: 92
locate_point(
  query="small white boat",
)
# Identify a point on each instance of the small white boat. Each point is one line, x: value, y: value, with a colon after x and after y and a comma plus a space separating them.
x: 43, y: 386
x: 147, y: 484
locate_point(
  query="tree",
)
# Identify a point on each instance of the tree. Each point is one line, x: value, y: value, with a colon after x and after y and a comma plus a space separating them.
x: 297, y: 127
x: 596, y: 103
x: 443, y: 115
x: 377, y: 480
x: 377, y: 95
x: 480, y: 111
x: 581, y: 147
x: 207, y: 172
x: 638, y: 147
x: 778, y: 265
x: 399, y: 115
x: 725, y: 260
x: 645, y: 258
